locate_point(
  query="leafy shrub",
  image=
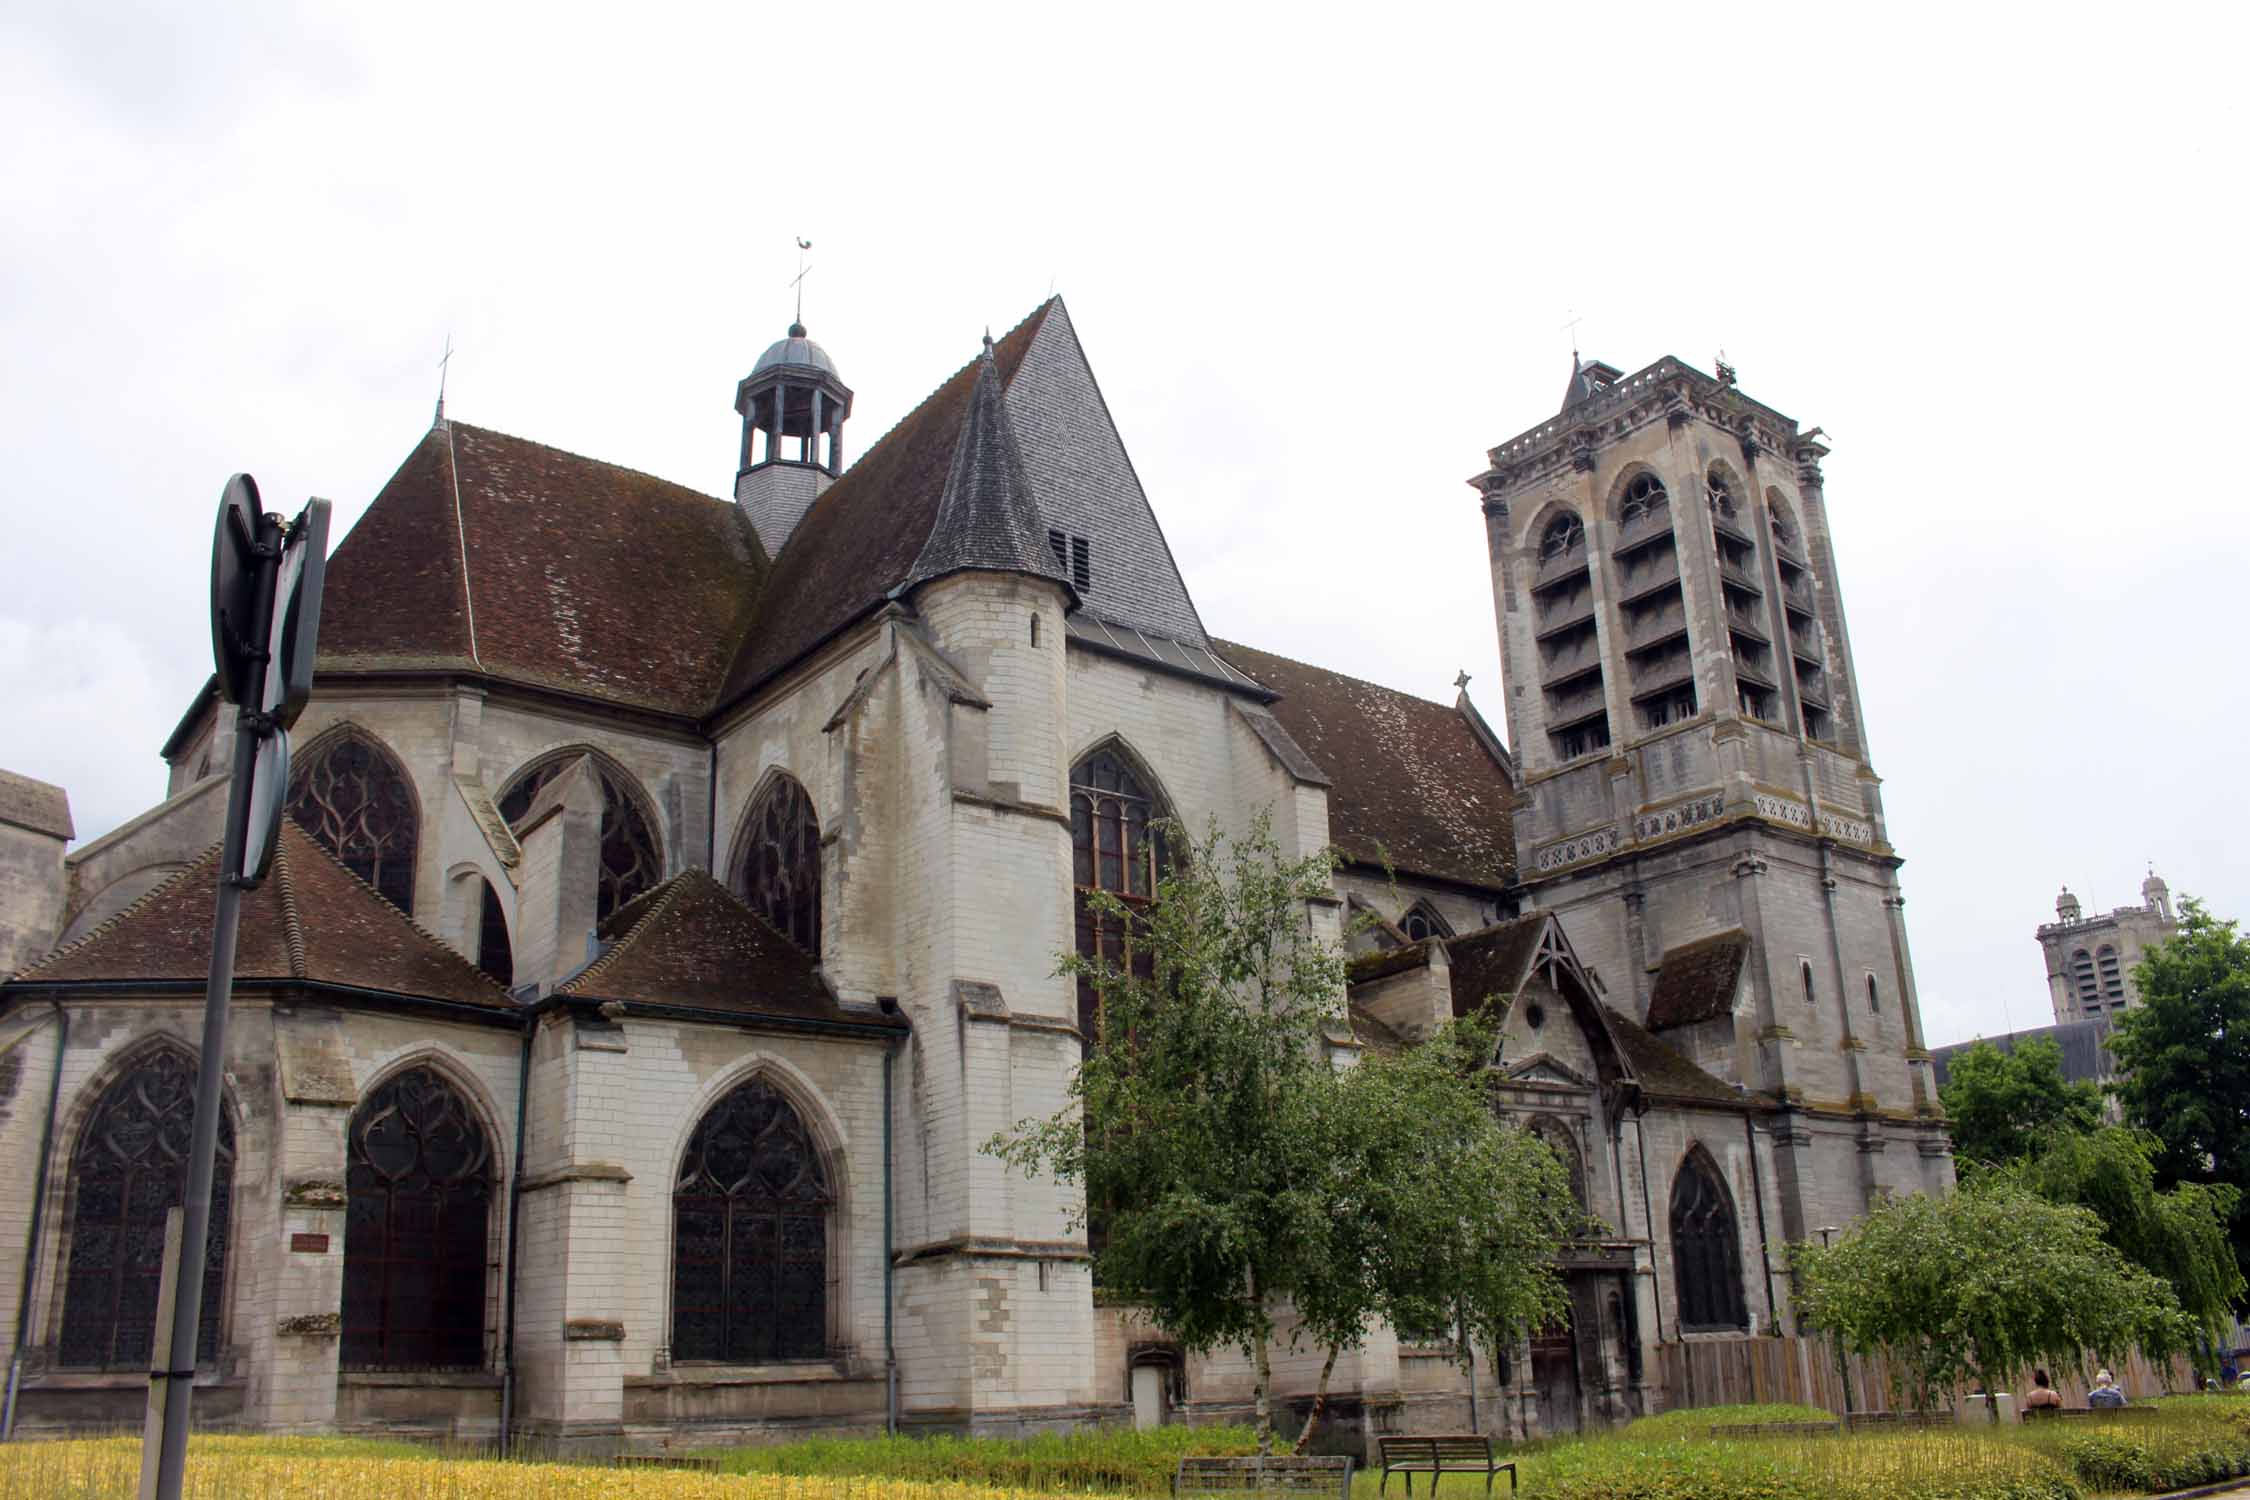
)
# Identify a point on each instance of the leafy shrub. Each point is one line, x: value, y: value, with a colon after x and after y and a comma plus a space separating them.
x: 1112, y: 1459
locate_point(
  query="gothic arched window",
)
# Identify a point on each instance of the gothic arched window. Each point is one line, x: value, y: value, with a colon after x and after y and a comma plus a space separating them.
x: 419, y: 1195
x: 631, y: 858
x: 1804, y: 972
x: 1558, y: 1139
x: 1718, y: 489
x: 351, y: 796
x: 750, y: 1235
x: 1565, y: 534
x: 1706, y: 1252
x: 2113, y: 976
x: 778, y: 870
x: 2082, y: 979
x: 1115, y: 847
x: 1422, y: 921
x: 1645, y: 496
x: 124, y: 1177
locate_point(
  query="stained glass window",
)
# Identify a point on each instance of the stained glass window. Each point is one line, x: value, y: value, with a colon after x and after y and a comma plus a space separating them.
x: 779, y: 869
x: 418, y: 1194
x: 631, y: 859
x: 351, y: 796
x: 1115, y: 847
x: 125, y: 1175
x: 1706, y: 1252
x: 750, y: 1235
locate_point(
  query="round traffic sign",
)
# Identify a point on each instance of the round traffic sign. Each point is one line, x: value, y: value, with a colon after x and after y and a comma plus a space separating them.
x: 234, y: 588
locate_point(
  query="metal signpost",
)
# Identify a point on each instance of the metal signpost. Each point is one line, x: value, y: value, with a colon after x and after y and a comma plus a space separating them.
x: 266, y: 577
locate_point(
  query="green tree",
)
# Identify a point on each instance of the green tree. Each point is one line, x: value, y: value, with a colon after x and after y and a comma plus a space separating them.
x: 1982, y: 1284
x: 2184, y: 1057
x: 2005, y: 1106
x: 2179, y: 1235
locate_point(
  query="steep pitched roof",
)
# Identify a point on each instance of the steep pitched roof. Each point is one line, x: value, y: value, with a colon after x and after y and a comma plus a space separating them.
x: 691, y: 943
x: 986, y: 517
x: 488, y: 552
x: 1412, y: 782
x: 1696, y: 981
x: 860, y: 539
x: 40, y: 806
x: 1667, y: 1074
x: 310, y: 920
x: 1493, y: 960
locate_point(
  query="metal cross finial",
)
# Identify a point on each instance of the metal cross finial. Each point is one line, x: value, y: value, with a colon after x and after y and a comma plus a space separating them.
x: 443, y: 370
x: 1571, y: 328
x: 798, y: 281
x: 1462, y: 680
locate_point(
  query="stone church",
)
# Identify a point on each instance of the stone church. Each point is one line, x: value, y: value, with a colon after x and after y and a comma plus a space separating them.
x: 672, y: 901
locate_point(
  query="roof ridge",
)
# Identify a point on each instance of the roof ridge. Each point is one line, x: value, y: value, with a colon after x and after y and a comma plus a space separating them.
x: 656, y: 908
x: 292, y: 919
x: 1226, y: 645
x: 586, y: 458
x: 323, y: 852
x: 210, y: 852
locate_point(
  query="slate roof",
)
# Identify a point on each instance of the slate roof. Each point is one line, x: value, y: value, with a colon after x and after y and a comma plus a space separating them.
x: 1667, y: 1074
x: 1411, y: 780
x: 2084, y: 1047
x: 862, y: 537
x: 690, y: 942
x: 39, y: 806
x: 1696, y: 981
x: 579, y: 575
x: 311, y: 920
x: 986, y: 517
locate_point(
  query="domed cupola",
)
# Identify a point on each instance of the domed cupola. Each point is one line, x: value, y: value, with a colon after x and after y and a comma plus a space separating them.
x: 793, y: 405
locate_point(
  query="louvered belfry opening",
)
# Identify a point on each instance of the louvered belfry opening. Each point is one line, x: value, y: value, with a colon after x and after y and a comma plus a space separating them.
x: 124, y: 1177
x: 1742, y: 589
x: 1706, y: 1250
x: 778, y: 871
x: 416, y: 1229
x: 1660, y: 669
x: 632, y: 861
x: 351, y: 796
x: 750, y: 1235
x: 1570, y: 661
x: 1799, y: 622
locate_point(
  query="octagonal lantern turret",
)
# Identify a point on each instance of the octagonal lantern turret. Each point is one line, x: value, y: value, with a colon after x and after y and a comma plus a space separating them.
x: 793, y: 405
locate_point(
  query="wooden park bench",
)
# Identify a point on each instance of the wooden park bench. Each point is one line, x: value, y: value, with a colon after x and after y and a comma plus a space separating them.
x: 1208, y: 1478
x: 1464, y: 1453
x: 2083, y: 1413
x: 1860, y: 1420
x: 668, y: 1461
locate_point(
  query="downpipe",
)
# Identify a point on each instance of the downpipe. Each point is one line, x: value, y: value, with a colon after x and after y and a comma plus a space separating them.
x: 890, y: 1340
x: 508, y: 1278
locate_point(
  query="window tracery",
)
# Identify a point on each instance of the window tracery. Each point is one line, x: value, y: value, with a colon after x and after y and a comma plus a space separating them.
x: 750, y: 1235
x: 778, y: 873
x: 1706, y: 1250
x: 351, y: 796
x: 1557, y: 1138
x: 632, y: 861
x: 1644, y: 497
x: 418, y: 1194
x: 1565, y: 534
x: 125, y: 1176
x: 1116, y: 847
x: 1422, y: 922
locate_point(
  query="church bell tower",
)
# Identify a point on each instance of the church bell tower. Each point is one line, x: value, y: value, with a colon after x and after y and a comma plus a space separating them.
x: 793, y: 406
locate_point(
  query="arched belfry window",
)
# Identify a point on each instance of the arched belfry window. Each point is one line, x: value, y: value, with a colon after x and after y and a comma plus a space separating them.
x: 1706, y: 1250
x: 1644, y: 498
x: 124, y: 1177
x: 1660, y: 674
x: 632, y: 860
x: 353, y: 798
x: 418, y: 1191
x: 2082, y: 980
x: 1570, y: 660
x: 1564, y: 535
x: 2112, y: 973
x: 777, y: 871
x: 1798, y: 621
x: 1116, y: 846
x: 750, y: 1235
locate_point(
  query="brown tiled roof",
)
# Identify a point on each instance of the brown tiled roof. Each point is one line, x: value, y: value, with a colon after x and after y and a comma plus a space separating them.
x: 1492, y: 961
x: 39, y: 806
x: 310, y: 920
x: 691, y: 943
x: 861, y: 538
x: 582, y: 575
x: 1696, y: 981
x: 1382, y: 963
x: 1411, y: 782
x: 1666, y: 1074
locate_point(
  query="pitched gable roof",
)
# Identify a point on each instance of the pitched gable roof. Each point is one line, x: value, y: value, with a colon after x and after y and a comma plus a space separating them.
x: 1664, y: 1073
x: 986, y: 517
x: 1492, y: 962
x: 311, y: 920
x: 1412, y: 781
x: 690, y: 942
x: 860, y: 539
x: 488, y: 552
x: 1697, y: 981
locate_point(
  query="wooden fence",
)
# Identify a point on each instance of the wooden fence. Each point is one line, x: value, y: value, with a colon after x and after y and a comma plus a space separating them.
x: 1730, y: 1372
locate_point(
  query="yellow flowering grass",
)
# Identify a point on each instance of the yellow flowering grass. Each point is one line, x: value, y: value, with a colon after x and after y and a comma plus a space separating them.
x: 248, y: 1468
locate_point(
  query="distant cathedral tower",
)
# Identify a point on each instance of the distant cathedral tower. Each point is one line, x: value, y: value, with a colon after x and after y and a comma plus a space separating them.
x: 1696, y: 794
x: 793, y: 406
x: 2090, y: 959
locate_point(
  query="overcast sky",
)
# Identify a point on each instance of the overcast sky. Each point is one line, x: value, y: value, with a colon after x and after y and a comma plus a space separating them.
x: 1321, y: 260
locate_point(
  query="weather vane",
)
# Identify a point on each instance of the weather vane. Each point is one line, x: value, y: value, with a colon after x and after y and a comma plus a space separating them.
x: 442, y: 370
x: 798, y: 281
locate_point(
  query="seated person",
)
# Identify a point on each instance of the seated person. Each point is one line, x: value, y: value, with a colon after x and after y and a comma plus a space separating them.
x: 2105, y: 1391
x: 2043, y: 1395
